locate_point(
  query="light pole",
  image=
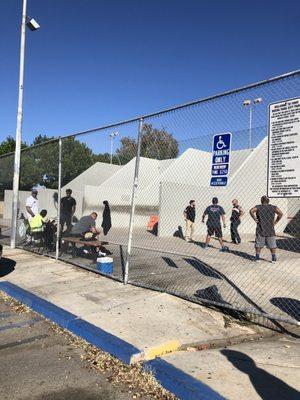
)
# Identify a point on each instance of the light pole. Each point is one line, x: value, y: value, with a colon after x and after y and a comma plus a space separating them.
x: 112, y: 138
x: 248, y: 103
x: 32, y: 25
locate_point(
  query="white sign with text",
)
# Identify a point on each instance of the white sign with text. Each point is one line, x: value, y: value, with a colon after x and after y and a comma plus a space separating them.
x: 284, y: 149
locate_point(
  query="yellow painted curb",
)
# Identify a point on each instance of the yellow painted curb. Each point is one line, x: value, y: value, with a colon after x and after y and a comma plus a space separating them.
x: 156, y: 351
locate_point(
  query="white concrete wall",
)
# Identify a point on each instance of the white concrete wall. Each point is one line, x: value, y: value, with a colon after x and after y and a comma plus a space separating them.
x: 46, y: 199
x: 93, y: 176
x: 117, y: 190
x: 248, y: 183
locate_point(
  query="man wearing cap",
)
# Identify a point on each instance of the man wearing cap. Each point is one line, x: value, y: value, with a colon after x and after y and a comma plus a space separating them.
x: 214, y: 214
x: 32, y: 205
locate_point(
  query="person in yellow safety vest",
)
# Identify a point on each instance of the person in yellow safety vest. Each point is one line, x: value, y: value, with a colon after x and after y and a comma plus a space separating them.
x: 38, y: 221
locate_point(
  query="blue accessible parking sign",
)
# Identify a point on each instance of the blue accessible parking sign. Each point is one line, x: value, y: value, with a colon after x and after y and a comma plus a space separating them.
x: 220, y: 159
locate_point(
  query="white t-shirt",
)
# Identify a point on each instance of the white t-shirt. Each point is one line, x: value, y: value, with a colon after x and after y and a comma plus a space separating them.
x: 34, y: 205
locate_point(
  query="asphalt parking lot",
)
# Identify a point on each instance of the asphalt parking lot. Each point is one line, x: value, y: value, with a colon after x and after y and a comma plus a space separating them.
x: 39, y: 363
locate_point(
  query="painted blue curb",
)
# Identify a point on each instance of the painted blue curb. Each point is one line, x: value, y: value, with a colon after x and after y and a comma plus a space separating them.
x: 89, y: 332
x: 184, y: 386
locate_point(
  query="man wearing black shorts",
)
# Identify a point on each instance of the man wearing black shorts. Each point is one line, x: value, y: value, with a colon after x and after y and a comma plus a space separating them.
x: 67, y: 210
x: 214, y: 214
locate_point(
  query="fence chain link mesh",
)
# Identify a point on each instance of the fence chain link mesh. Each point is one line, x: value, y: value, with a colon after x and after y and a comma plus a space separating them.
x: 136, y: 197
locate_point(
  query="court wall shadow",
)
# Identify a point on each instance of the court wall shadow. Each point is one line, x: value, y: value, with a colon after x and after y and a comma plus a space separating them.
x: 7, y: 266
x: 267, y: 386
x: 288, y: 244
x: 288, y: 305
x: 293, y: 227
x: 170, y: 262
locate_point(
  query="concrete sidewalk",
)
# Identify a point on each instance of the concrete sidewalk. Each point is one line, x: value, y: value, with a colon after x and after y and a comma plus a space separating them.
x: 152, y: 322
x: 134, y: 324
x: 266, y: 369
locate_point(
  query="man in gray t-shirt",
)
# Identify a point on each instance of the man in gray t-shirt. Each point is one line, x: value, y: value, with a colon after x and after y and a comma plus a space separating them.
x: 264, y: 216
x: 84, y: 225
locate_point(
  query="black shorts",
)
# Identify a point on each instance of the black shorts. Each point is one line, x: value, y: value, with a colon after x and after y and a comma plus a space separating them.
x: 214, y: 230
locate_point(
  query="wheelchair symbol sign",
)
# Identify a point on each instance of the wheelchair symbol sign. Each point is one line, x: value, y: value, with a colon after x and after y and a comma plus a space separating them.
x: 220, y: 144
x: 220, y: 159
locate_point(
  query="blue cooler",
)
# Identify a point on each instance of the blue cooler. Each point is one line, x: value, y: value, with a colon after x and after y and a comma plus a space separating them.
x: 105, y: 265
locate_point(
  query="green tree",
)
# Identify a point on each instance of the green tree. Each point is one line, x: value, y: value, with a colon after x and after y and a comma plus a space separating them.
x: 156, y: 143
x: 76, y: 158
x: 42, y: 160
x: 8, y: 145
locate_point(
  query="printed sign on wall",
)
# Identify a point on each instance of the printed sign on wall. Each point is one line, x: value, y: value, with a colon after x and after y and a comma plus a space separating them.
x: 284, y: 149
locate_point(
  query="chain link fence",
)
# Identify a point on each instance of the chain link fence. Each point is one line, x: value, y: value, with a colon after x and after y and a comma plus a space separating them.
x: 121, y: 194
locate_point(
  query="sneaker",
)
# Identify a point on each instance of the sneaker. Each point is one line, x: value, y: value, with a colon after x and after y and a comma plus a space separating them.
x: 101, y: 254
x: 274, y: 259
x: 257, y: 258
x: 223, y: 249
x: 205, y: 247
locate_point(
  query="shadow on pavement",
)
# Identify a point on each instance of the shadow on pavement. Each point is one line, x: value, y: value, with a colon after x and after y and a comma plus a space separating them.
x: 170, y: 262
x: 287, y: 305
x: 238, y: 290
x: 266, y: 385
x: 289, y: 244
x: 6, y: 266
x: 211, y: 293
x: 241, y: 254
x: 203, y: 268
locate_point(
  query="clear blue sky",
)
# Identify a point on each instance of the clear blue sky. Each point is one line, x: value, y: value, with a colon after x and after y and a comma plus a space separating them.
x: 94, y: 62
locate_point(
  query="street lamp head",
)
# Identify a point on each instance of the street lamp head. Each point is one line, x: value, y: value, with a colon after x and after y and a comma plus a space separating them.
x: 246, y: 103
x: 113, y: 134
x: 32, y: 24
x: 258, y: 100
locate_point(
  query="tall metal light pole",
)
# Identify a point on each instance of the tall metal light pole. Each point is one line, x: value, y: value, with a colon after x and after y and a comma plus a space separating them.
x: 112, y: 137
x: 33, y: 25
x: 248, y: 103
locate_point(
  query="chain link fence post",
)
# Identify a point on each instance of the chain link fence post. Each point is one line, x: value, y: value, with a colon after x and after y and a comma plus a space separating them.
x: 58, y: 199
x: 133, y: 200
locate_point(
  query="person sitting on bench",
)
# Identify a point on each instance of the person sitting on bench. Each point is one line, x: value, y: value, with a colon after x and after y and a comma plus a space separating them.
x: 86, y: 229
x: 86, y: 224
x: 37, y: 223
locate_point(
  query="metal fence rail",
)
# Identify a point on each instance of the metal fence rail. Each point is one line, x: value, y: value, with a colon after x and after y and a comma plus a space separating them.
x: 139, y: 176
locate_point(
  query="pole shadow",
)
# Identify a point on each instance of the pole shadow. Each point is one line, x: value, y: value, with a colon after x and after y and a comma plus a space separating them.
x: 267, y: 386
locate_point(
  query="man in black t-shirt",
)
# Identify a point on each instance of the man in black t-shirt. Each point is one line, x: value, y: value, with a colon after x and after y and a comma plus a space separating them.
x: 214, y: 214
x: 189, y: 215
x: 264, y: 215
x: 67, y: 210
